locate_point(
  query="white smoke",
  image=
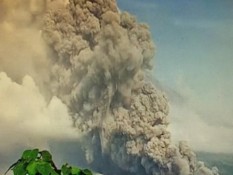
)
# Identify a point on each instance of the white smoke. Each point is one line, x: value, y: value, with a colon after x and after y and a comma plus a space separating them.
x: 93, y: 58
x: 27, y: 120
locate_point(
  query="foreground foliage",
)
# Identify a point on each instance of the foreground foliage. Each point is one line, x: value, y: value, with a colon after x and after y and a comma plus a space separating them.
x: 35, y: 162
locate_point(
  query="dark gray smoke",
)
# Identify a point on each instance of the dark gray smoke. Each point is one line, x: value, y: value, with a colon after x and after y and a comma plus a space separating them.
x: 98, y: 58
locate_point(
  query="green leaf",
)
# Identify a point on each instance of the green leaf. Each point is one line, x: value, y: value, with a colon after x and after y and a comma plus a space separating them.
x: 46, y: 156
x: 53, y: 172
x: 86, y: 172
x: 20, y: 169
x: 32, y: 168
x: 65, y: 169
x: 75, y: 171
x: 44, y: 168
x: 34, y: 162
x: 30, y: 154
x: 13, y: 165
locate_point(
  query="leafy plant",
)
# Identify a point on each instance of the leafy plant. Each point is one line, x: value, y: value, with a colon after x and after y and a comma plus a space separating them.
x: 35, y: 162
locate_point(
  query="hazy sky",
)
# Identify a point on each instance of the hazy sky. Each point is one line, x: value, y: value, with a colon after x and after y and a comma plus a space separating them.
x: 194, y: 41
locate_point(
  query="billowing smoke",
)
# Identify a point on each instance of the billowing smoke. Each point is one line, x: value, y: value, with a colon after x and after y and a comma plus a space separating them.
x: 22, y: 49
x: 96, y: 61
x: 24, y: 109
x: 28, y: 117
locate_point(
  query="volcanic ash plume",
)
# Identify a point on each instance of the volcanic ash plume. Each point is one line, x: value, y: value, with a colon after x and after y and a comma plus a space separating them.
x: 22, y: 50
x: 98, y: 58
x: 27, y: 119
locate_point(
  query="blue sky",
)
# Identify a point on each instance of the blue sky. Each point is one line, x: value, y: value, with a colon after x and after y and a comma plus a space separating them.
x: 194, y: 41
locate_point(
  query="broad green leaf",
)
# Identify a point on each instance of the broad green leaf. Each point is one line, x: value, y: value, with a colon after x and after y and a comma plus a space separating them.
x: 44, y: 168
x: 53, y: 172
x: 30, y: 154
x: 13, y: 165
x: 86, y: 172
x: 46, y: 156
x: 20, y: 169
x: 32, y: 168
x: 75, y: 171
x: 34, y: 162
x: 65, y: 169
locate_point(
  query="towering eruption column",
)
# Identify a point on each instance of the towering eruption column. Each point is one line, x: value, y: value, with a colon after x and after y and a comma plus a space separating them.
x: 99, y: 57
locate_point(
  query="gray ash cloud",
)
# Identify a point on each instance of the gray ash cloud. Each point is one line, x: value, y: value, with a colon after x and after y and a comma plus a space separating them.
x: 97, y: 58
